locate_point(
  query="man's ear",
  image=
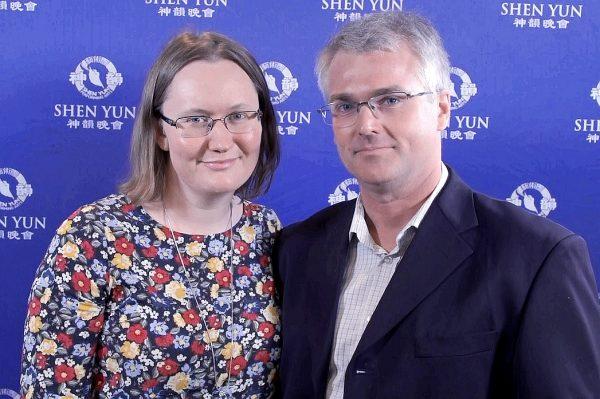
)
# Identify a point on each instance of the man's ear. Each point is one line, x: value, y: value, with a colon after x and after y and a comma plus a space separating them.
x: 443, y: 110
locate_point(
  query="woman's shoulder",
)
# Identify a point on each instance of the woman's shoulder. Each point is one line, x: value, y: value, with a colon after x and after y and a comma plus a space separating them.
x: 262, y: 214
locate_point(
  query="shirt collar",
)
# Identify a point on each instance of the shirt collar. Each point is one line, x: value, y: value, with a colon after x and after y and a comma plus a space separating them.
x: 359, y: 225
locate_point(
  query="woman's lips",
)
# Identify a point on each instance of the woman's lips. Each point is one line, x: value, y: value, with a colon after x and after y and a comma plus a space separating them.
x: 219, y: 164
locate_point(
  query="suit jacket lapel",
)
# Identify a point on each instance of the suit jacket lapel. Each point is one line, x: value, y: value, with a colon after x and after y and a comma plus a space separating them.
x: 436, y: 251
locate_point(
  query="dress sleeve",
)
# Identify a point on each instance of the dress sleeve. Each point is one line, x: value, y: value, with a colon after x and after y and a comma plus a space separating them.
x: 66, y: 310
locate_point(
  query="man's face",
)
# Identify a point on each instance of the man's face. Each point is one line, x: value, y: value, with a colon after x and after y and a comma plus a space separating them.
x: 393, y: 150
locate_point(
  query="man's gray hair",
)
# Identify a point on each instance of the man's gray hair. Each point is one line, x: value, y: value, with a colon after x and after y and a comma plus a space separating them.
x: 388, y: 31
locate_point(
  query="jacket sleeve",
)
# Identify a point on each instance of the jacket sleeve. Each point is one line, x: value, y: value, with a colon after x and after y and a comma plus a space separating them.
x: 557, y: 353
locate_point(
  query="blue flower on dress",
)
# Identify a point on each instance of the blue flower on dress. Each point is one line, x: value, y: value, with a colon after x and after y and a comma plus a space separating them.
x: 242, y: 282
x: 216, y: 248
x: 98, y: 268
x: 130, y: 278
x: 255, y: 370
x: 181, y: 341
x: 46, y: 279
x: 132, y: 368
x: 235, y: 332
x: 165, y: 253
x: 81, y: 350
x: 158, y: 327
x: 256, y: 269
x: 222, y: 304
x: 69, y: 303
x: 142, y: 240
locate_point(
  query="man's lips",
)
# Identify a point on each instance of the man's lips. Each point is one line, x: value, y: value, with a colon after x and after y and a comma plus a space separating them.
x: 370, y: 149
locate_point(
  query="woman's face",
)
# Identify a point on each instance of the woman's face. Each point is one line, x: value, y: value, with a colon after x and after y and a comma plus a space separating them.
x: 220, y: 162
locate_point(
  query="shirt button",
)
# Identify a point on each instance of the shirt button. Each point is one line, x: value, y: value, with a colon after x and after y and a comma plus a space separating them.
x: 387, y: 260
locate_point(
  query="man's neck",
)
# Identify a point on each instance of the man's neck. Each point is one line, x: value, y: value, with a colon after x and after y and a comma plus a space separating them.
x: 388, y: 211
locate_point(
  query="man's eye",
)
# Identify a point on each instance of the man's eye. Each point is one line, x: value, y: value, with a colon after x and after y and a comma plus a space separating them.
x: 343, y: 108
x: 389, y: 101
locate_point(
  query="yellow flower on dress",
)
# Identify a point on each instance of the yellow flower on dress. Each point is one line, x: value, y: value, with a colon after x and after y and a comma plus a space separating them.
x: 108, y: 234
x: 179, y: 382
x: 86, y: 208
x: 79, y: 371
x: 178, y: 319
x: 69, y: 250
x: 94, y: 289
x: 215, y: 265
x: 64, y: 227
x: 123, y: 321
x: 130, y: 350
x: 121, y: 261
x: 159, y: 234
x: 48, y: 347
x: 271, y: 313
x: 193, y: 248
x: 231, y: 350
x: 113, y: 366
x: 176, y: 290
x: 214, y: 290
x: 87, y: 310
x: 211, y: 335
x: 46, y: 297
x: 35, y: 324
x: 248, y: 233
x: 29, y: 394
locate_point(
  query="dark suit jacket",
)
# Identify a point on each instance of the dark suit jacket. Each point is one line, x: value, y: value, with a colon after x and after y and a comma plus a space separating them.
x: 489, y: 301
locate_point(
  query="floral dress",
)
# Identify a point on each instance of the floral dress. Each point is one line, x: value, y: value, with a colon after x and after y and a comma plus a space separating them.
x: 113, y: 312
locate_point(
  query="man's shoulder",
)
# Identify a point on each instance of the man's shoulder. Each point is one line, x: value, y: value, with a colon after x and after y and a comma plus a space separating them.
x: 502, y: 218
x: 317, y: 224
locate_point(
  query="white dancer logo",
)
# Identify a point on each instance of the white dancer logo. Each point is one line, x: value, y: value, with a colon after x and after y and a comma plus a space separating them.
x: 281, y: 84
x: 96, y: 77
x: 534, y: 197
x: 467, y: 88
x: 13, y: 187
x: 345, y: 191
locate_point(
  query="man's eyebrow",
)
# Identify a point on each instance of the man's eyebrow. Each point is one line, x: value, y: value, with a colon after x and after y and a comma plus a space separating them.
x: 377, y: 92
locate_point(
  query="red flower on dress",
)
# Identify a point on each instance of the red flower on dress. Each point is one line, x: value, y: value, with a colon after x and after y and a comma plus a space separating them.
x: 151, y: 289
x: 268, y: 287
x: 168, y: 233
x: 40, y: 361
x: 149, y: 384
x: 214, y: 321
x: 101, y: 351
x: 242, y: 247
x: 186, y: 260
x: 60, y: 263
x: 99, y: 380
x: 124, y: 246
x: 223, y: 278
x: 127, y: 208
x: 63, y: 373
x: 150, y: 252
x: 80, y: 282
x: 169, y: 367
x: 191, y: 317
x: 118, y: 293
x: 264, y: 260
x: 88, y: 250
x: 65, y: 340
x: 164, y: 340
x: 197, y: 347
x: 262, y: 356
x: 198, y: 238
x: 249, y: 316
x: 237, y: 365
x: 34, y: 306
x: 96, y: 324
x: 244, y: 271
x: 114, y: 380
x: 161, y: 276
x: 137, y: 333
x: 267, y: 329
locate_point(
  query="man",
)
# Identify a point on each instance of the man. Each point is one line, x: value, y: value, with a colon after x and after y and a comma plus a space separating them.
x: 423, y: 288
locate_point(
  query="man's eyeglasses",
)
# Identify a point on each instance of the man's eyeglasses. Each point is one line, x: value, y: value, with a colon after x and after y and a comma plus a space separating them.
x: 341, y: 113
x: 201, y: 125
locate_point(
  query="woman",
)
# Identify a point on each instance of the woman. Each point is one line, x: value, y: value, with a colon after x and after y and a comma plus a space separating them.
x: 166, y: 290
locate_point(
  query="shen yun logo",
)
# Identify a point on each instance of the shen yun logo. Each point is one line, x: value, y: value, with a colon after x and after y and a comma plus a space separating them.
x: 467, y: 88
x: 534, y: 197
x: 14, y: 189
x: 345, y: 191
x: 96, y: 77
x: 280, y: 81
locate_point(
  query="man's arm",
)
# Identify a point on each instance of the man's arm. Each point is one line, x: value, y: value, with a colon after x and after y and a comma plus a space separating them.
x: 557, y: 353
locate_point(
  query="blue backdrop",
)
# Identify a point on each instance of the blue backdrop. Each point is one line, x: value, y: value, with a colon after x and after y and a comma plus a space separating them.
x: 525, y: 125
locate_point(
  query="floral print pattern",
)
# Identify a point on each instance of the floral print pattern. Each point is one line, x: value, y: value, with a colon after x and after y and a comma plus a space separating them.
x: 112, y: 315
